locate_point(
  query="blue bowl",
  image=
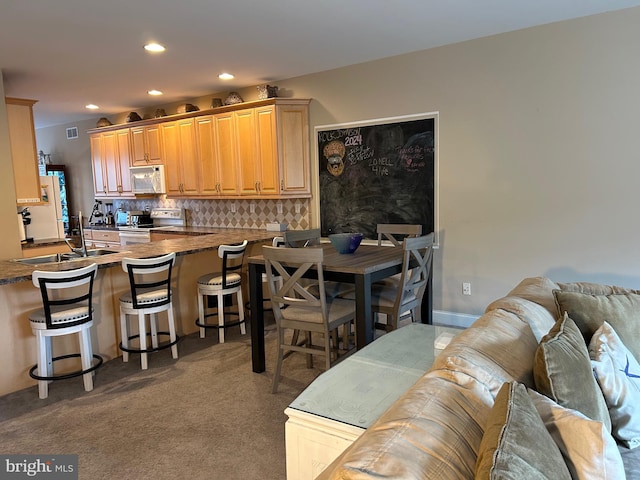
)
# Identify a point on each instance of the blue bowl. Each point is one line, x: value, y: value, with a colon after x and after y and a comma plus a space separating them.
x: 345, y: 242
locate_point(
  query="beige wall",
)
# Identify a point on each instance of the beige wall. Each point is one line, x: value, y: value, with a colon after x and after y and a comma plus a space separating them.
x: 539, y: 165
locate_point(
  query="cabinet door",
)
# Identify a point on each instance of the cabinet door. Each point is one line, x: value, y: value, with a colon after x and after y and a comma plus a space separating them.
x: 146, y: 147
x: 188, y: 158
x: 207, y: 155
x: 171, y: 153
x: 225, y: 147
x: 22, y: 142
x: 99, y: 179
x: 266, y: 162
x: 245, y: 125
x: 110, y: 163
x: 293, y: 148
x: 124, y: 159
x: 178, y: 139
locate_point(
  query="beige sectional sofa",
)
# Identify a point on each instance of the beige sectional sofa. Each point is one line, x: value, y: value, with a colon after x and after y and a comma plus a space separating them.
x: 435, y: 430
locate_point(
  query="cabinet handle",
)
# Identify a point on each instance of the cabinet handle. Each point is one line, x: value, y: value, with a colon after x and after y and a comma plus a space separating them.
x: 282, y: 185
x: 218, y: 187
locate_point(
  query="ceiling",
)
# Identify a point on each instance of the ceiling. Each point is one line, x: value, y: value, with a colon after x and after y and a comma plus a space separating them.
x: 69, y: 53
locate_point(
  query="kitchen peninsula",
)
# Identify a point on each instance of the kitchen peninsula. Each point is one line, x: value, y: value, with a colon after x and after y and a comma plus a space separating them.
x: 196, y: 255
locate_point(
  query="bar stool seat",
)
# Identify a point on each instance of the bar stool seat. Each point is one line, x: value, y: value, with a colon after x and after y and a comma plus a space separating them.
x: 150, y: 293
x: 220, y: 285
x: 67, y: 309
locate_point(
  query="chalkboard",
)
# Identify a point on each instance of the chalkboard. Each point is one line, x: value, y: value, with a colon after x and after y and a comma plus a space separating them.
x: 377, y: 172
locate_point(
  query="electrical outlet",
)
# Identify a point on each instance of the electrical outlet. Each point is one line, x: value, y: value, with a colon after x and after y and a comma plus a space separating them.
x: 252, y: 208
x: 466, y: 288
x: 233, y: 208
x: 297, y: 208
x: 279, y: 207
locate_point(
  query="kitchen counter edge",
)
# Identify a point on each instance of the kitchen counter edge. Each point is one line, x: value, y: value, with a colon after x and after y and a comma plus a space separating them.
x: 13, y: 272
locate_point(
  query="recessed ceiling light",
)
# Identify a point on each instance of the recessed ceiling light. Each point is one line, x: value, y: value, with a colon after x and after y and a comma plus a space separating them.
x: 154, y: 47
x: 91, y: 106
x: 226, y: 76
x: 154, y: 92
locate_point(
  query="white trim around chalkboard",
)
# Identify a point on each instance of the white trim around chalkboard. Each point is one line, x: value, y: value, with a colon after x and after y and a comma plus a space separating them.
x: 315, y: 212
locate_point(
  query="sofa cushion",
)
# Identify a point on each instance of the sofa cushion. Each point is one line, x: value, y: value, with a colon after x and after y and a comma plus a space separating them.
x: 618, y: 375
x: 539, y: 319
x: 538, y: 290
x: 432, y: 431
x: 588, y: 448
x: 562, y: 371
x: 589, y: 311
x: 516, y: 445
x: 594, y: 288
x: 499, y: 345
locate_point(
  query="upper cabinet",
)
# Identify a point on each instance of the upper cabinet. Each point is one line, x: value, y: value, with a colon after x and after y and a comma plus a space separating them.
x: 111, y: 159
x: 216, y: 154
x: 23, y: 150
x: 145, y: 145
x: 255, y: 150
x: 181, y: 162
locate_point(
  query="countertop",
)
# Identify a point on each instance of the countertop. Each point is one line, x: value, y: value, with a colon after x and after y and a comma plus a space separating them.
x: 202, y: 238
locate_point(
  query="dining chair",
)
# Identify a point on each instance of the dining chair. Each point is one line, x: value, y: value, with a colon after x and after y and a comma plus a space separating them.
x: 310, y: 238
x: 393, y: 299
x: 66, y: 309
x: 396, y: 298
x: 149, y: 294
x: 301, y: 238
x: 297, y: 308
x: 221, y: 284
x: 391, y: 231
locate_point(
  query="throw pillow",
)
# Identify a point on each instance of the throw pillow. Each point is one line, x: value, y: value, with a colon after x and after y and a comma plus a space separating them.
x: 618, y: 374
x: 622, y: 311
x: 588, y: 448
x: 562, y: 371
x: 516, y: 444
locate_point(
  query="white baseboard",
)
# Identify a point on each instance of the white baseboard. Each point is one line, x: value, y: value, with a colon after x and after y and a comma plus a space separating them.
x: 452, y: 319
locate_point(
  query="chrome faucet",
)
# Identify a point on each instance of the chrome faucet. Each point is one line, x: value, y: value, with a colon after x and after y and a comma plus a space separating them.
x: 83, y: 250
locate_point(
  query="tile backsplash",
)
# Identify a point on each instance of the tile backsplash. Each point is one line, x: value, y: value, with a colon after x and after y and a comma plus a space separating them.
x: 220, y: 213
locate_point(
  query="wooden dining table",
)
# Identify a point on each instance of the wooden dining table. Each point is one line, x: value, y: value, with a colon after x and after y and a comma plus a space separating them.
x: 368, y: 264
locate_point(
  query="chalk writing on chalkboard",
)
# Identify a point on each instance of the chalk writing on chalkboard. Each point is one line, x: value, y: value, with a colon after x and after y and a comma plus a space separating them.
x: 378, y: 172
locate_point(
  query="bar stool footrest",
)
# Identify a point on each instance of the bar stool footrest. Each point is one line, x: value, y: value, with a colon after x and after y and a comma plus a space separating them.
x: 152, y: 349
x: 226, y: 324
x: 64, y: 376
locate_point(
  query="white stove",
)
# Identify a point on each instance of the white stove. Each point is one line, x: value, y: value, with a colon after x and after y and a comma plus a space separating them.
x: 163, y: 219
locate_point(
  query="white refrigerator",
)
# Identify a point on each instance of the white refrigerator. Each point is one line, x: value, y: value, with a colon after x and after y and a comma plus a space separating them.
x: 46, y: 220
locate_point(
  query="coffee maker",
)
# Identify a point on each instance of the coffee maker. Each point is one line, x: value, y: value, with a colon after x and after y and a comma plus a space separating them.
x: 24, y: 219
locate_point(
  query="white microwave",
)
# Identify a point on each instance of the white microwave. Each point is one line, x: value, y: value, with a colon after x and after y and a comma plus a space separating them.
x: 148, y: 179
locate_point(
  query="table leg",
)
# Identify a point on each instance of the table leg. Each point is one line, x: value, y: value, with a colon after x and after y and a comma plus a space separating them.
x: 364, y: 320
x: 257, y: 318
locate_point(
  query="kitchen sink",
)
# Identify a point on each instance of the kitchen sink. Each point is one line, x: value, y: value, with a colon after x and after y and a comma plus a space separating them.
x: 65, y: 257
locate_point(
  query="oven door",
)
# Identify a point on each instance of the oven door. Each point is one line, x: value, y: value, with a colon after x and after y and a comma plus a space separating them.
x: 128, y: 237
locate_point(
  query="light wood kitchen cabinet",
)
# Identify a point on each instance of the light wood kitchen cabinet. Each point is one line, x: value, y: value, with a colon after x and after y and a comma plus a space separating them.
x: 292, y: 146
x: 22, y: 139
x: 216, y: 153
x: 146, y: 145
x: 181, y: 161
x: 257, y: 163
x: 111, y: 159
x: 254, y: 150
x: 98, y: 238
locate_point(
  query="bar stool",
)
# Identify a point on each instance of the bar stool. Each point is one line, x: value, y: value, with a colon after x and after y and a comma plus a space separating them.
x: 150, y: 294
x: 67, y: 309
x: 221, y: 284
